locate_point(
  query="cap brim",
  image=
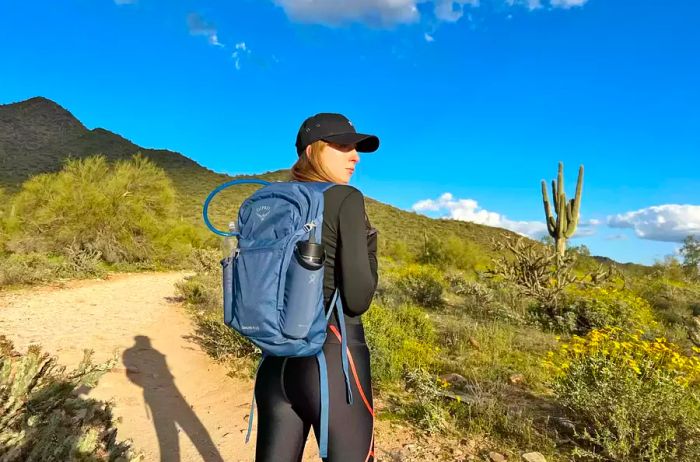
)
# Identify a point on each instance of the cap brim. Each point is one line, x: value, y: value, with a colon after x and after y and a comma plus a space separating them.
x: 364, y: 143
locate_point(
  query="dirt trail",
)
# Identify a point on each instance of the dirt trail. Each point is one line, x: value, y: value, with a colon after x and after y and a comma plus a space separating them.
x: 173, y: 400
x: 189, y: 397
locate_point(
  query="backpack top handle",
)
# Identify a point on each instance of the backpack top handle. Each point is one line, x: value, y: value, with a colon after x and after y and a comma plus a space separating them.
x: 211, y: 195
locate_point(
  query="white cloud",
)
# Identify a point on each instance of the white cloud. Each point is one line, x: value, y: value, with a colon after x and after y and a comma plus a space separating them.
x: 537, y: 4
x: 332, y: 12
x: 530, y: 4
x: 241, y: 50
x: 586, y: 228
x: 452, y: 10
x: 567, y: 3
x: 469, y: 210
x: 392, y: 12
x: 198, y: 26
x: 669, y: 222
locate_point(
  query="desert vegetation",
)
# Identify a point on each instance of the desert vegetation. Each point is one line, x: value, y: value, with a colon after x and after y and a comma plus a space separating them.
x: 512, y: 343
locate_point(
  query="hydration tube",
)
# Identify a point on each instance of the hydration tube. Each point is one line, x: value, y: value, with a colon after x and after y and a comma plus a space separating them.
x: 218, y: 189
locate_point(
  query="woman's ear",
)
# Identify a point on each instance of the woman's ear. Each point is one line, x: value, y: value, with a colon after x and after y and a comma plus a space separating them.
x: 308, y: 151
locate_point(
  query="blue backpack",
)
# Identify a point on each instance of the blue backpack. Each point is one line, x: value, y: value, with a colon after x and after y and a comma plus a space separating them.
x: 269, y: 297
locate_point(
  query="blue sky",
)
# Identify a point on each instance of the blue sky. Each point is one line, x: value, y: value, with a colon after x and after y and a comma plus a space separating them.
x: 475, y: 102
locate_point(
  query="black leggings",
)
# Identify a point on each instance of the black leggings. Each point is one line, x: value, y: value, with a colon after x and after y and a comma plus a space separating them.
x: 288, y: 400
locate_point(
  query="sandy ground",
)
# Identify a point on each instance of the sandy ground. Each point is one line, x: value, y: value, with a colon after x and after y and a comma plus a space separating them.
x: 174, y: 402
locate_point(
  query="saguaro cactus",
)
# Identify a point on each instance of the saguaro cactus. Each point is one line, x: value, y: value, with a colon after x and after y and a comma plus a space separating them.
x: 564, y: 226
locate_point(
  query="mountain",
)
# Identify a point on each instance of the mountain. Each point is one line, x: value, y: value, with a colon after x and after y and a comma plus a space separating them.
x: 37, y: 135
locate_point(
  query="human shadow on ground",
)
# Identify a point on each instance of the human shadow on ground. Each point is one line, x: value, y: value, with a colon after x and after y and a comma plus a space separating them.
x: 165, y: 406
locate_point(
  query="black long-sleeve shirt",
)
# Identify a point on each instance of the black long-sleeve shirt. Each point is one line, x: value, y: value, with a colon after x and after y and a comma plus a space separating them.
x: 351, y: 252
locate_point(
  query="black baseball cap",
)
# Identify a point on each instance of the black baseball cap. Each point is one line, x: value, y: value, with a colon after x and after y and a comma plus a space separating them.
x: 334, y: 128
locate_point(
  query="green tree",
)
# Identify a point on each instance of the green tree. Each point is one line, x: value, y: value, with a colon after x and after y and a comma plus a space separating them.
x: 119, y: 210
x: 691, y: 255
x: 581, y: 249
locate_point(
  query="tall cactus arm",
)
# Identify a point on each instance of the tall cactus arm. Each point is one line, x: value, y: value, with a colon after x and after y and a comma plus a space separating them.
x: 579, y: 189
x: 551, y: 224
x: 573, y: 208
x: 564, y: 220
x: 560, y: 178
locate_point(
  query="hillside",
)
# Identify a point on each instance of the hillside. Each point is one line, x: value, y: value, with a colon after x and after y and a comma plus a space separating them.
x: 36, y: 136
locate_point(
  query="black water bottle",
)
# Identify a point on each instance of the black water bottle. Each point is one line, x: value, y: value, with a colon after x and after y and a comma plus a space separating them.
x: 310, y: 254
x: 303, y: 290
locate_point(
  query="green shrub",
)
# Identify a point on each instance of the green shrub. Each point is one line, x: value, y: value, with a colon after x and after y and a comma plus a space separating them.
x: 42, y: 420
x: 672, y: 300
x: 427, y: 408
x: 399, y: 338
x: 453, y: 251
x: 596, y: 307
x: 174, y: 246
x: 124, y: 211
x: 631, y: 399
x: 201, y: 291
x: 396, y: 250
x: 33, y: 268
x: 26, y: 269
x: 422, y: 284
x: 82, y: 263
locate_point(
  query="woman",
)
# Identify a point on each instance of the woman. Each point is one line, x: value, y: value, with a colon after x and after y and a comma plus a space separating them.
x: 287, y: 389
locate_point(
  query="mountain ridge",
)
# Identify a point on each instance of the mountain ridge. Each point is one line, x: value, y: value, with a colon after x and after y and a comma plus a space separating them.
x: 38, y: 134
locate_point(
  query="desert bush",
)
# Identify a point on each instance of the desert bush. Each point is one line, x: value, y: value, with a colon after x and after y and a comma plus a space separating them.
x: 421, y: 284
x: 399, y: 338
x: 452, y: 251
x: 27, y: 269
x: 43, y: 420
x: 670, y: 268
x: 33, y: 268
x: 672, y: 300
x: 175, y: 245
x: 631, y: 399
x: 396, y: 250
x: 427, y: 408
x: 124, y: 211
x: 201, y: 291
x: 587, y: 308
x: 486, y: 299
x: 80, y: 262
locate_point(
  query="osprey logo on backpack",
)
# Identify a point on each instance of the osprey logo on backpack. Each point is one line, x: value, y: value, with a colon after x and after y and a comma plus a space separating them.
x: 263, y: 211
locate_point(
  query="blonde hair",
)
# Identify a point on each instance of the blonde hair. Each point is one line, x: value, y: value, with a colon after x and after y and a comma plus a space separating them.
x: 310, y: 167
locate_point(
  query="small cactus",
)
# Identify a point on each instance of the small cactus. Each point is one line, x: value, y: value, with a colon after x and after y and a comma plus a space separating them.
x: 564, y: 226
